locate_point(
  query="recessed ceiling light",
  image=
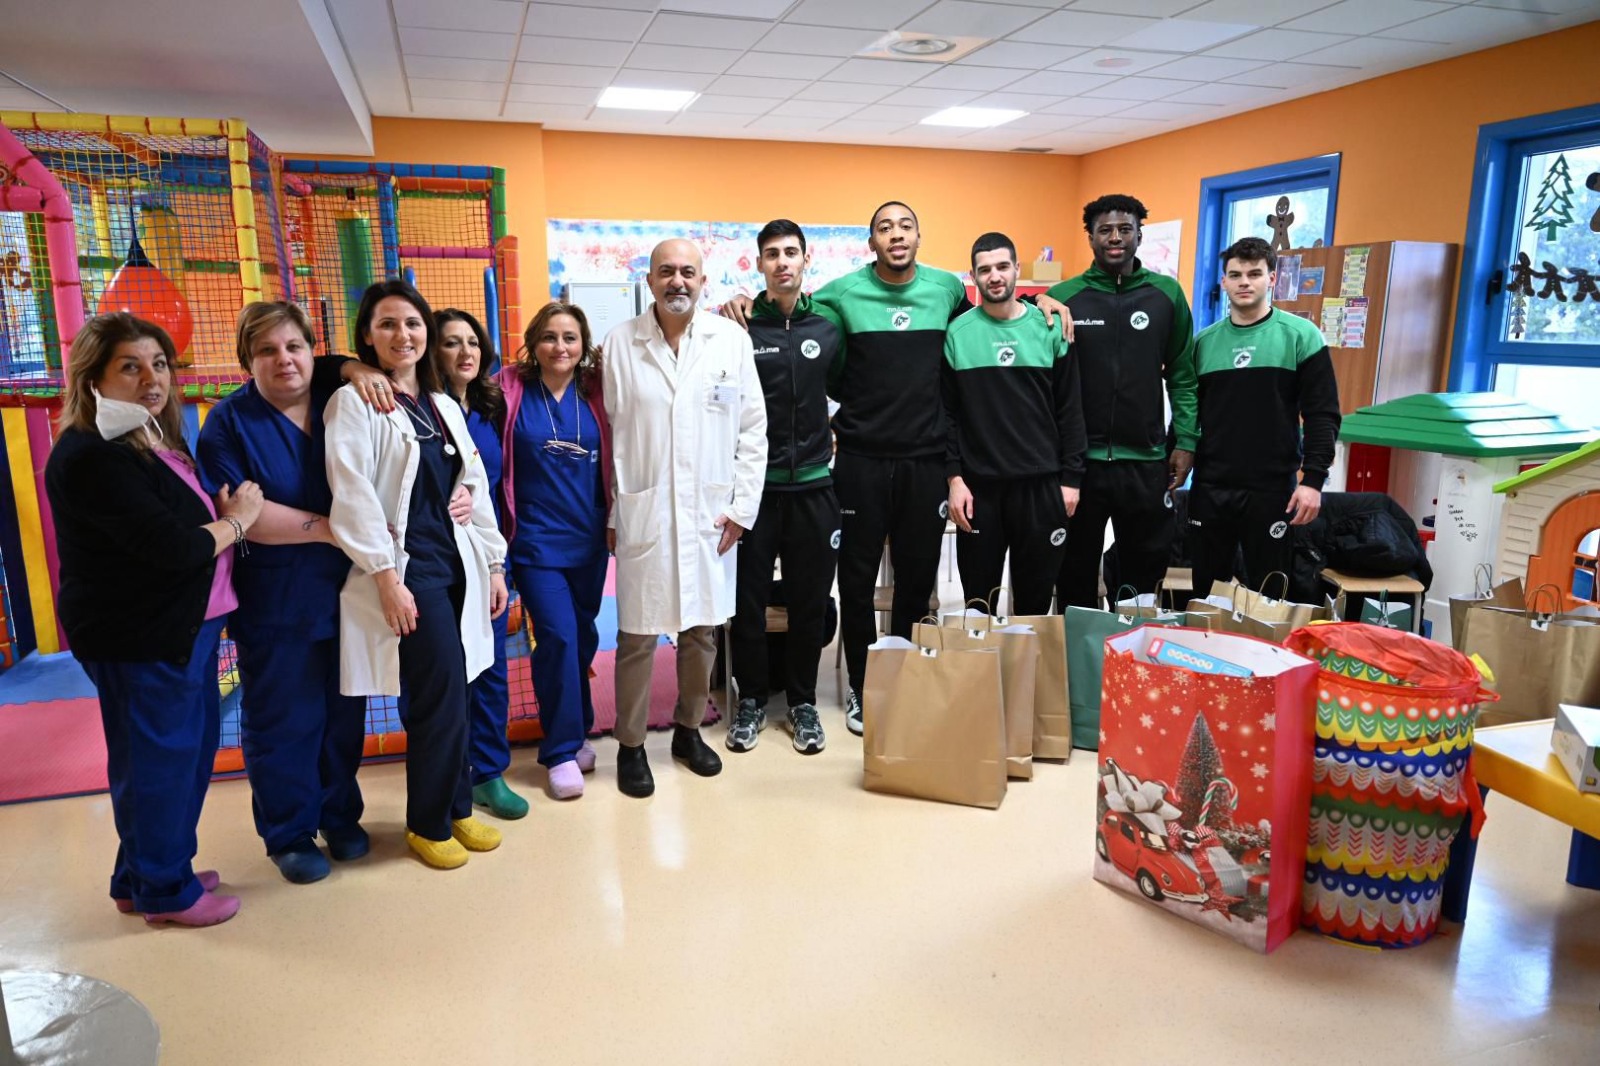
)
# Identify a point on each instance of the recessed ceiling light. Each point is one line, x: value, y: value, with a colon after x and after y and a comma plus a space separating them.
x: 1114, y: 61
x: 646, y: 99
x: 920, y: 47
x: 975, y: 117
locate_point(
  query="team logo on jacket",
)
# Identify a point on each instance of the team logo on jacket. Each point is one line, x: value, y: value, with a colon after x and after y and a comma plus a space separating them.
x: 901, y: 319
x: 810, y: 348
x: 1006, y: 356
x: 944, y: 508
x: 1241, y: 357
x: 1058, y: 537
x: 833, y: 541
x: 1139, y: 320
x: 1278, y: 530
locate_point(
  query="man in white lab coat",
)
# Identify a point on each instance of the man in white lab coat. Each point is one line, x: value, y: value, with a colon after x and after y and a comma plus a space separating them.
x: 689, y: 425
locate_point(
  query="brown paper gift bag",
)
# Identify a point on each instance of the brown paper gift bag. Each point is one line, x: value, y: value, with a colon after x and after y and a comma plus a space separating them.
x: 1485, y: 593
x: 1019, y: 659
x: 1263, y: 608
x: 1052, y: 713
x: 934, y: 727
x: 1539, y: 660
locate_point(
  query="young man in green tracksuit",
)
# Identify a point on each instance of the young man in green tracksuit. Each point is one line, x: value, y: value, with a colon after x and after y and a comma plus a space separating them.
x: 1015, y: 448
x: 797, y: 346
x: 1262, y: 373
x: 1134, y: 333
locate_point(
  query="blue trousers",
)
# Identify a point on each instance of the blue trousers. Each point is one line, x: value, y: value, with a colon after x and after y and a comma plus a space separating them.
x: 563, y: 604
x: 302, y: 741
x: 162, y: 721
x: 433, y: 708
x: 488, y: 704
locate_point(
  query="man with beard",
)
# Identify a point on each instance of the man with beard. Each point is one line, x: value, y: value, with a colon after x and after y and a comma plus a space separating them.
x: 689, y: 423
x: 1015, y: 448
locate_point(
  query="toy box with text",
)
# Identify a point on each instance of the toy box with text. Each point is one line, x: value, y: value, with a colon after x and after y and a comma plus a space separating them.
x: 1576, y: 742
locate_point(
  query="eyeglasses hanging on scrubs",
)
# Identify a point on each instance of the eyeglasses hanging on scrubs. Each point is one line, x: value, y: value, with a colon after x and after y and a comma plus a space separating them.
x: 555, y: 445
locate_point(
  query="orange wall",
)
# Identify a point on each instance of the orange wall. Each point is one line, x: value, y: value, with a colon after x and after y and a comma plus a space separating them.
x: 1406, y: 139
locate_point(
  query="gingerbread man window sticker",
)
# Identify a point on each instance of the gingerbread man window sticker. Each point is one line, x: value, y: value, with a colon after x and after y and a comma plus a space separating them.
x: 1552, y: 213
x: 1593, y: 185
x: 1280, y: 220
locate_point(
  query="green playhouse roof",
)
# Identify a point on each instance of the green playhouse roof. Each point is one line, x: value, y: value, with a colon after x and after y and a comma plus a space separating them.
x: 1473, y: 424
x: 1561, y: 462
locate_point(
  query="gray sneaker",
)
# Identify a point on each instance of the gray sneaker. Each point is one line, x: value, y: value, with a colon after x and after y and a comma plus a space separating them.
x: 807, y: 729
x: 745, y: 729
x: 852, y: 712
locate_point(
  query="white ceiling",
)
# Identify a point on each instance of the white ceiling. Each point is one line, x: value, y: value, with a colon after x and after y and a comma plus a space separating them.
x: 1090, y: 73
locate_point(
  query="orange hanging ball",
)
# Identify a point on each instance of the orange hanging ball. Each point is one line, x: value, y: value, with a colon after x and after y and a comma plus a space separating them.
x: 140, y: 289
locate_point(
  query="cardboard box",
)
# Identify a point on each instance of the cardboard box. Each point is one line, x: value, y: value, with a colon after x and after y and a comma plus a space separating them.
x: 1044, y: 270
x: 1576, y: 742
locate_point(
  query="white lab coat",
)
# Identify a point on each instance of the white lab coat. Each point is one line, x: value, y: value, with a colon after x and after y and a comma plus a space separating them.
x: 372, y: 463
x: 689, y: 443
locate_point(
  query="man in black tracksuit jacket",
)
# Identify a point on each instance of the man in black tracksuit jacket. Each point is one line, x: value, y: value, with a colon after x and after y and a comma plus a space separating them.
x: 1133, y: 332
x: 797, y: 346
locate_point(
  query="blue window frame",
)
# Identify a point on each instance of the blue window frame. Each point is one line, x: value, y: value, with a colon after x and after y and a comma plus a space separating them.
x: 1219, y: 194
x: 1514, y: 169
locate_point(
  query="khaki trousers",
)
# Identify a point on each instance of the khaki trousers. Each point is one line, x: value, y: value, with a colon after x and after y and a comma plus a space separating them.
x: 697, y: 651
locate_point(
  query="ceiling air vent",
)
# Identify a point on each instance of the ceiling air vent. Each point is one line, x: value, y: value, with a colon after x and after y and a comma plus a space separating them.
x: 1033, y: 151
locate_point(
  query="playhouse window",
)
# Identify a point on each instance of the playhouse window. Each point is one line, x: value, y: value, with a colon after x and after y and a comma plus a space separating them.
x: 1586, y: 568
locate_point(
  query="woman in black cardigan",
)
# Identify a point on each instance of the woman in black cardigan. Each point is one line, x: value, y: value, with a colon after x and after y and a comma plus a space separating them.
x: 146, y: 558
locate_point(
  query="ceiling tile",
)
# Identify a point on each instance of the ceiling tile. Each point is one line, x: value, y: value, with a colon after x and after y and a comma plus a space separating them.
x: 600, y: 23
x: 865, y: 127
x: 755, y: 9
x: 978, y: 78
x: 779, y: 65
x: 624, y: 120
x: 1042, y: 123
x: 816, y: 40
x: 1252, y: 10
x: 571, y: 51
x: 707, y: 125
x: 1274, y: 45
x: 771, y: 88
x: 828, y: 109
x: 484, y: 16
x: 433, y: 107
x: 458, y: 43
x: 1166, y: 109
x: 1014, y: 55
x: 677, y: 57
x: 1116, y: 124
x: 1135, y: 61
x: 443, y: 89
x: 879, y: 71
x: 1554, y: 7
x: 1152, y: 8
x: 893, y: 113
x: 1223, y: 93
x: 1183, y: 35
x: 731, y: 105
x: 704, y: 32
x: 633, y: 78
x: 1140, y: 88
x: 957, y: 18
x: 787, y: 123
x: 1059, y: 83
x: 878, y: 15
x: 465, y: 69
x: 1206, y: 68
x: 560, y: 74
x: 1477, y: 25
x: 1364, y: 16
x: 1378, y: 52
x: 847, y: 92
x: 553, y: 94
x: 1081, y: 28
x: 1016, y: 101
x: 917, y: 96
x: 1289, y: 75
x: 1088, y: 106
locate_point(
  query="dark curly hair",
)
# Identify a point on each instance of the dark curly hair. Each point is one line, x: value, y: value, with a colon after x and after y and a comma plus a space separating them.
x: 483, y: 392
x: 1114, y: 202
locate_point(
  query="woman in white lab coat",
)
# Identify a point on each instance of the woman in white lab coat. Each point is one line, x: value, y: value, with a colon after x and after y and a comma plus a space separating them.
x: 415, y: 611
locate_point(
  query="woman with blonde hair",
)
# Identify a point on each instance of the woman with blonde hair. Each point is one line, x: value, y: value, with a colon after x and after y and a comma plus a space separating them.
x: 146, y: 559
x: 555, y: 494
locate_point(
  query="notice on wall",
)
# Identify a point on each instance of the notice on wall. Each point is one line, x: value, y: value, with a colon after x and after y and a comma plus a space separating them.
x: 1354, y: 280
x: 1287, y: 286
x: 1333, y: 321
x: 1311, y: 281
x: 1354, y: 331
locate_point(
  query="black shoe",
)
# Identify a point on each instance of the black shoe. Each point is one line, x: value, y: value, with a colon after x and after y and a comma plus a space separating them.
x: 852, y: 713
x: 301, y: 863
x: 690, y: 749
x: 633, y: 772
x: 348, y: 843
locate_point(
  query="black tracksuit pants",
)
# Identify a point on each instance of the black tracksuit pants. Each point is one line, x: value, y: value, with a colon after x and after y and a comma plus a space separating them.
x: 1025, y: 516
x: 1224, y: 520
x: 1131, y: 494
x: 801, y: 527
x: 906, y: 502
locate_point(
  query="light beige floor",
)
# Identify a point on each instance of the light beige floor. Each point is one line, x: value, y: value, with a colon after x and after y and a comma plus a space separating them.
x: 780, y: 914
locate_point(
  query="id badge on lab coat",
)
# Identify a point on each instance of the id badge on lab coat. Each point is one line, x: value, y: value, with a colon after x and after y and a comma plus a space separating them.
x: 724, y: 394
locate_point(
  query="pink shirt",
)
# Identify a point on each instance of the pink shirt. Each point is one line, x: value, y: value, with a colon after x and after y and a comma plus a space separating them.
x: 222, y: 599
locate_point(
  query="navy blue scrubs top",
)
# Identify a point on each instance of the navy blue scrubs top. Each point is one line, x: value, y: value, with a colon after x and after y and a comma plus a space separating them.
x: 491, y: 451
x: 561, y: 511
x: 430, y: 543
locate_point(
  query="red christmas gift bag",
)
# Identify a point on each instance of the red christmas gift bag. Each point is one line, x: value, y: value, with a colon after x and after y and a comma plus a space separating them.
x: 1205, y: 778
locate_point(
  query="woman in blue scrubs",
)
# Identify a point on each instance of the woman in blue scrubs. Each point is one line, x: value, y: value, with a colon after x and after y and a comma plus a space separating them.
x: 302, y: 740
x: 466, y: 358
x: 146, y: 558
x: 557, y: 486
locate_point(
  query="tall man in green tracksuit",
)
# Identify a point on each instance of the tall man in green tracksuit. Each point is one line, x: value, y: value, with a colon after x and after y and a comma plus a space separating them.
x: 1262, y: 373
x: 1014, y: 456
x: 797, y: 345
x: 1134, y: 332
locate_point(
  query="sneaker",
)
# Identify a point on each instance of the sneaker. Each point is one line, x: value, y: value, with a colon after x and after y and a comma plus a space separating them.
x: 807, y: 729
x: 852, y: 712
x: 748, y: 722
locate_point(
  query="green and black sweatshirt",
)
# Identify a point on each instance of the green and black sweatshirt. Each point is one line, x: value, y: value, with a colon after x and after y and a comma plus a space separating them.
x: 1256, y: 384
x: 1131, y: 333
x: 796, y: 354
x: 1011, y: 400
x: 888, y: 385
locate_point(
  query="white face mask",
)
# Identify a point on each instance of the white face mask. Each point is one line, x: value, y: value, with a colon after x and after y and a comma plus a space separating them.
x: 113, y: 418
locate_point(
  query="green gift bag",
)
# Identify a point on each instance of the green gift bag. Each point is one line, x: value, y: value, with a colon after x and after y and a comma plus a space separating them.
x: 1086, y: 633
x: 1381, y: 612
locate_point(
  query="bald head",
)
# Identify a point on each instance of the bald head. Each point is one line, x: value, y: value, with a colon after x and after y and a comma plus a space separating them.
x: 677, y: 274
